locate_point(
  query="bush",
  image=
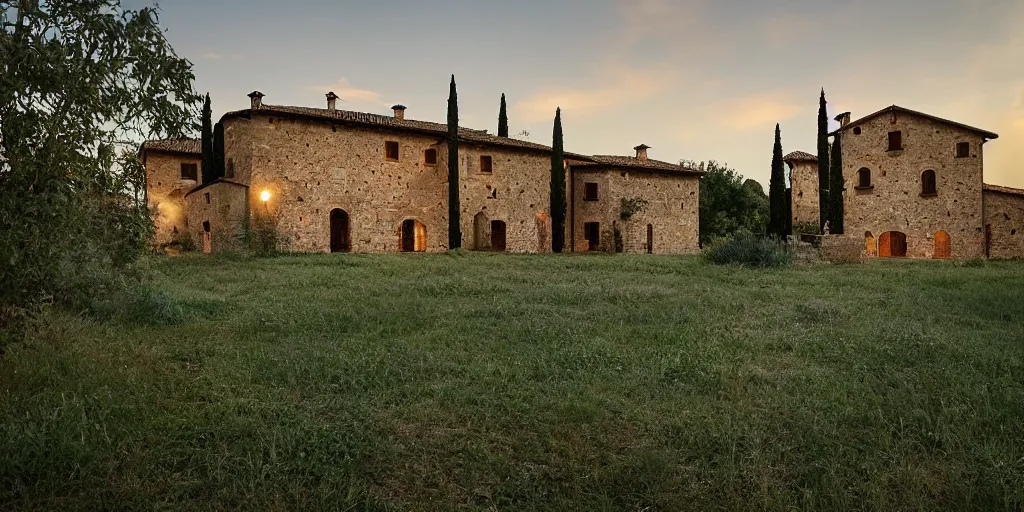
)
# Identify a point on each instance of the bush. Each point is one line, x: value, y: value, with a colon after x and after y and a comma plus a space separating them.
x: 747, y: 249
x: 138, y: 304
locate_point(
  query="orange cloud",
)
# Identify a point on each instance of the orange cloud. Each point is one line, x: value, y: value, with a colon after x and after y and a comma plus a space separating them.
x: 759, y: 111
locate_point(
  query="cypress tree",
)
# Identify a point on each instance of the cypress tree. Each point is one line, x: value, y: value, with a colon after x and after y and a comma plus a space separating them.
x: 558, y: 207
x: 777, y: 190
x: 454, y: 226
x: 823, y: 162
x: 503, y: 119
x: 208, y: 171
x: 836, y: 184
x: 218, y: 150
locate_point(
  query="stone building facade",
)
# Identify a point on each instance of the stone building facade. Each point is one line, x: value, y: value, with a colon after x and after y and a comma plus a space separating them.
x: 633, y: 205
x: 1004, y: 221
x: 173, y: 167
x: 329, y: 180
x: 803, y: 182
x: 914, y: 187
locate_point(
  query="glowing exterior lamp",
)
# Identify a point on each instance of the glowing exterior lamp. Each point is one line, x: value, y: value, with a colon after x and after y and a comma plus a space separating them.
x: 265, y: 196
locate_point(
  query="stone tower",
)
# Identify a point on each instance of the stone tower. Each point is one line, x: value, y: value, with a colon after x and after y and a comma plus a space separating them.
x: 803, y: 178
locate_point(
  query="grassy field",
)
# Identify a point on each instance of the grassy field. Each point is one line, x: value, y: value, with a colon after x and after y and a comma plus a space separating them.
x: 478, y: 382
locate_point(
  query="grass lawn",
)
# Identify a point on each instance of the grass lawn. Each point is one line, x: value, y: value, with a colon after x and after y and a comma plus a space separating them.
x: 477, y: 382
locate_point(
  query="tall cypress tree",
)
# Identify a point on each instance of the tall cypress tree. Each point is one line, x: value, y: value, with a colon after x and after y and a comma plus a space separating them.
x: 823, y: 162
x: 777, y: 190
x: 454, y: 226
x: 209, y: 171
x: 503, y: 119
x: 835, y: 187
x: 558, y: 207
x: 218, y: 150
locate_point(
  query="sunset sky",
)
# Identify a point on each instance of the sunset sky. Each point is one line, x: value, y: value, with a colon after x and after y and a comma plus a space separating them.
x: 693, y: 79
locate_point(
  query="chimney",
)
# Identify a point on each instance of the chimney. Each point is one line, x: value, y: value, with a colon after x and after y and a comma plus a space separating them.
x: 257, y: 99
x: 399, y: 112
x: 641, y: 152
x: 844, y: 119
x: 332, y: 100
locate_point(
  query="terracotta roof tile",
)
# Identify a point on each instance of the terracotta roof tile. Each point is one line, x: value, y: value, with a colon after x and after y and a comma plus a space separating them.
x: 634, y: 163
x: 799, y: 156
x: 189, y: 146
x: 1004, y: 190
x: 896, y: 108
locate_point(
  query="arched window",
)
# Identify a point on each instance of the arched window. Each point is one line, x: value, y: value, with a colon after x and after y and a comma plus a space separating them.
x: 928, y: 187
x: 864, y: 178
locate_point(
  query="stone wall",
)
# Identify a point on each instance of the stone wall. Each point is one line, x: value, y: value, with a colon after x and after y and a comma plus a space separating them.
x: 841, y: 249
x: 804, y: 180
x: 166, y: 193
x: 310, y: 168
x: 224, y: 205
x: 515, y: 192
x: 672, y: 210
x: 1004, y: 215
x: 895, y: 202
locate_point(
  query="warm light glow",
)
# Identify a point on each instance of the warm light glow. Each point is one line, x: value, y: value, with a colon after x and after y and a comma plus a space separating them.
x: 265, y: 195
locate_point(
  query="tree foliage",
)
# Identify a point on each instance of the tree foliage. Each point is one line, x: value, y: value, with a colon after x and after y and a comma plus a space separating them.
x: 823, y: 161
x: 218, y: 150
x: 454, y: 227
x: 209, y: 170
x: 836, y: 185
x: 558, y: 201
x: 503, y: 119
x: 777, y: 190
x: 81, y: 82
x: 729, y: 205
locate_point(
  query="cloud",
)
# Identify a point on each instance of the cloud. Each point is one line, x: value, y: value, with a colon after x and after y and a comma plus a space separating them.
x: 621, y: 87
x: 756, y: 111
x: 347, y: 92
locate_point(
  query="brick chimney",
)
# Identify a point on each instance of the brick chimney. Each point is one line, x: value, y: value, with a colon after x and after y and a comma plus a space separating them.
x: 641, y: 152
x: 844, y: 119
x: 332, y: 101
x: 399, y: 112
x: 257, y: 99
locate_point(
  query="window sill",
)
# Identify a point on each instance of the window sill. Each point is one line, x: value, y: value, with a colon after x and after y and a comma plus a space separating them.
x: 864, y: 189
x: 929, y: 194
x: 891, y: 151
x: 590, y: 200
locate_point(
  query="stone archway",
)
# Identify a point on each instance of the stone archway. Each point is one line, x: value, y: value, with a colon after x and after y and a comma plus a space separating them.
x: 340, y: 236
x: 892, y: 244
x: 943, y: 249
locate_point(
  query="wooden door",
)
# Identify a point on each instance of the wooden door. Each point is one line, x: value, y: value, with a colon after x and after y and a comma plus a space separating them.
x: 943, y: 249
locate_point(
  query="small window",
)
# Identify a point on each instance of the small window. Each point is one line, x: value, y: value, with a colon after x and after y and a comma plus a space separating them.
x: 229, y: 168
x: 895, y: 141
x: 190, y: 172
x: 864, y: 178
x: 486, y: 164
x: 856, y: 130
x: 963, y: 149
x: 206, y: 226
x: 928, y: 186
x: 207, y: 197
x: 430, y: 157
x: 391, y: 150
x: 590, y: 191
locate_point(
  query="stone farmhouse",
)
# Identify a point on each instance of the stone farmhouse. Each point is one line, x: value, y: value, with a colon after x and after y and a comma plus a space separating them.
x: 914, y: 187
x: 329, y: 180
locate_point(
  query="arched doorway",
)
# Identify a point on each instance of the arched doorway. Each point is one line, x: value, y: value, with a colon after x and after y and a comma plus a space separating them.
x: 339, y: 231
x: 498, y: 235
x: 943, y: 249
x: 869, y: 244
x: 892, y: 244
x: 413, y: 236
x: 207, y: 238
x: 480, y: 234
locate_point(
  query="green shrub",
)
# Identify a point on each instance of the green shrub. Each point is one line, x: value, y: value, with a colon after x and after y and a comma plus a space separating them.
x: 137, y: 304
x: 807, y: 228
x: 747, y: 249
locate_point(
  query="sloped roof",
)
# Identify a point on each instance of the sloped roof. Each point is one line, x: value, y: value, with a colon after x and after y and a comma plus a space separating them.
x: 217, y: 181
x: 799, y: 156
x: 1003, y: 190
x: 635, y: 163
x: 389, y: 122
x: 898, y: 109
x: 181, y: 145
